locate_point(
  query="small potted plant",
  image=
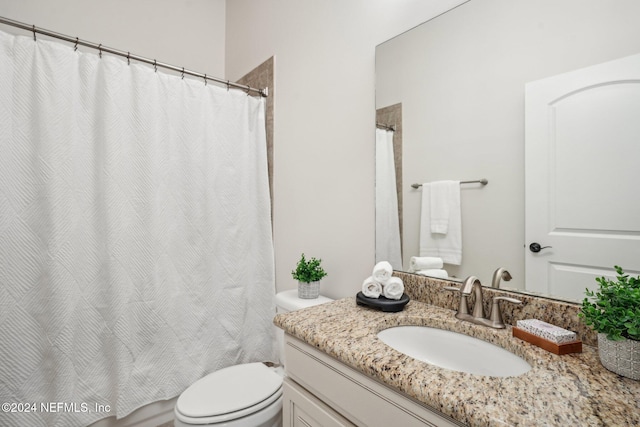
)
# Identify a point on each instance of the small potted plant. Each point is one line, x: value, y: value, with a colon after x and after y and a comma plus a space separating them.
x: 614, y: 312
x: 308, y: 273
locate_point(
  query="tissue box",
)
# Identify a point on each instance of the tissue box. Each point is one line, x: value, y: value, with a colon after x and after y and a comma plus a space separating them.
x: 547, y: 331
x: 559, y: 349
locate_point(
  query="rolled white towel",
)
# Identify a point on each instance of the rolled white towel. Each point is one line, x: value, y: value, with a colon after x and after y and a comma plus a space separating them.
x: 371, y: 288
x: 382, y: 272
x: 437, y: 273
x: 418, y: 263
x: 393, y: 289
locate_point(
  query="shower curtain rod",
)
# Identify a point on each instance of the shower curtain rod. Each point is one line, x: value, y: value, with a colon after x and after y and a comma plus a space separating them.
x: 36, y: 30
x: 385, y: 127
x: 482, y: 181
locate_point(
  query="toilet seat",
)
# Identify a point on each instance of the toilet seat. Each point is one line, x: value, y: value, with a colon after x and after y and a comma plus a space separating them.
x: 229, y: 394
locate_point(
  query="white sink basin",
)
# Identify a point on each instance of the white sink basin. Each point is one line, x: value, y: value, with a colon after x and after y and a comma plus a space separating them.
x: 451, y: 350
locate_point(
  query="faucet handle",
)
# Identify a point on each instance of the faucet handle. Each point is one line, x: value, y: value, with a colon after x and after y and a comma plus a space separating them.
x: 509, y: 299
x: 463, y: 308
x: 496, y: 315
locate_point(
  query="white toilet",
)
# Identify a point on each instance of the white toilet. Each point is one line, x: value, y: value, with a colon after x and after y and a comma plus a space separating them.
x: 247, y: 395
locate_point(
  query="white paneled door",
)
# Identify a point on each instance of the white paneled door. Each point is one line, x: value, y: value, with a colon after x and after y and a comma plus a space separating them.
x: 582, y: 174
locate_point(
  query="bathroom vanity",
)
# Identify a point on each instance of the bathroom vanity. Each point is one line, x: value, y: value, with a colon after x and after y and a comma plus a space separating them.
x: 341, y: 374
x: 324, y: 392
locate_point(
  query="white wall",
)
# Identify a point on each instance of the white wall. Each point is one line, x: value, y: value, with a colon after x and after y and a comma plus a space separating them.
x: 185, y: 33
x: 324, y: 122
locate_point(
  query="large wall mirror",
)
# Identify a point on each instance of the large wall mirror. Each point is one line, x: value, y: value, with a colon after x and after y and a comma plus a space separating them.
x: 459, y: 81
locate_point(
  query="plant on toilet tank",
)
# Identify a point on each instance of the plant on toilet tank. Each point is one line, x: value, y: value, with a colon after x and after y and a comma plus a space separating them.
x: 308, y: 273
x: 614, y: 312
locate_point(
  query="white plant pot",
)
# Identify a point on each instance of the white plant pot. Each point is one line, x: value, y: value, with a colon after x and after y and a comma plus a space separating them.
x: 621, y: 357
x: 308, y: 290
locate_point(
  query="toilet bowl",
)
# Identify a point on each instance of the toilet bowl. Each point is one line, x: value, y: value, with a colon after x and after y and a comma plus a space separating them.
x: 246, y: 395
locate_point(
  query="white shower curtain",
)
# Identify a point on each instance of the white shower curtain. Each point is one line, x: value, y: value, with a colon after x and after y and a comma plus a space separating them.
x: 387, y: 220
x: 135, y: 236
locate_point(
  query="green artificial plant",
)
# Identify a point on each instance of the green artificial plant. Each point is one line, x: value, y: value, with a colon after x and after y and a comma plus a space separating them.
x: 614, y: 309
x: 308, y: 271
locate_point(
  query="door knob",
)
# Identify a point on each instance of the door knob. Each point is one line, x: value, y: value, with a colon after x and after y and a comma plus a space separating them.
x: 535, y: 247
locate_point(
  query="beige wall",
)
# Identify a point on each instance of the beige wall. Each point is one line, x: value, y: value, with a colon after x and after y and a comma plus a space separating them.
x: 185, y: 33
x: 324, y: 122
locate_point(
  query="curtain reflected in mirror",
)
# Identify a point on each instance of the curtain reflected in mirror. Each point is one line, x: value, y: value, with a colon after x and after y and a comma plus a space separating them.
x: 388, y: 247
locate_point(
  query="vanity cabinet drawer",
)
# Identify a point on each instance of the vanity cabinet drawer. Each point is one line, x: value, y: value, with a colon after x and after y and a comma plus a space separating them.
x: 360, y: 399
x: 302, y: 409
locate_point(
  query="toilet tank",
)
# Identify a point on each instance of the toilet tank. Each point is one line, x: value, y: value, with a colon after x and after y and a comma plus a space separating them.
x: 287, y: 301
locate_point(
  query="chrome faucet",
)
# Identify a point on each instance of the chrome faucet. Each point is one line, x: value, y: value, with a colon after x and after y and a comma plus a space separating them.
x: 500, y: 274
x: 472, y: 284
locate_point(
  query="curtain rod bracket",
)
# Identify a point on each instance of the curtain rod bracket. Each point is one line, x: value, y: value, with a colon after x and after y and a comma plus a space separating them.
x: 386, y: 127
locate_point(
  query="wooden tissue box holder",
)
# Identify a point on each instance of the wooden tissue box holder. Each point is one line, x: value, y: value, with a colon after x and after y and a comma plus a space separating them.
x: 550, y: 346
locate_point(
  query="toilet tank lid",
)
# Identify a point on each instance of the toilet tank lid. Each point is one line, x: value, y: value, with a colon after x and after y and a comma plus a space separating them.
x: 289, y: 301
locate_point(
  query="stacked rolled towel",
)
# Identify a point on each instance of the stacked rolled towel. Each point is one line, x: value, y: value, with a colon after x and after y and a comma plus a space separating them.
x: 381, y: 282
x: 394, y: 288
x: 371, y: 288
x: 418, y: 263
x: 382, y: 272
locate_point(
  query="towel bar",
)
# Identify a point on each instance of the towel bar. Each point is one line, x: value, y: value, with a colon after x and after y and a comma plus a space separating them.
x: 482, y: 181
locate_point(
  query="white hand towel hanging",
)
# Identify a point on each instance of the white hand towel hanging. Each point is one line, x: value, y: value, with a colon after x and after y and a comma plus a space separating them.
x: 445, y: 196
x: 446, y: 246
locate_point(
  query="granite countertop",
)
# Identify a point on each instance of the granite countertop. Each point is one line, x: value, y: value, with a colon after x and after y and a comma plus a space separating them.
x: 573, y: 389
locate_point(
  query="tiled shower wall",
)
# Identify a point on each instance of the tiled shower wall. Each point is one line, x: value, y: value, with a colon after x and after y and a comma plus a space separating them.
x: 263, y: 77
